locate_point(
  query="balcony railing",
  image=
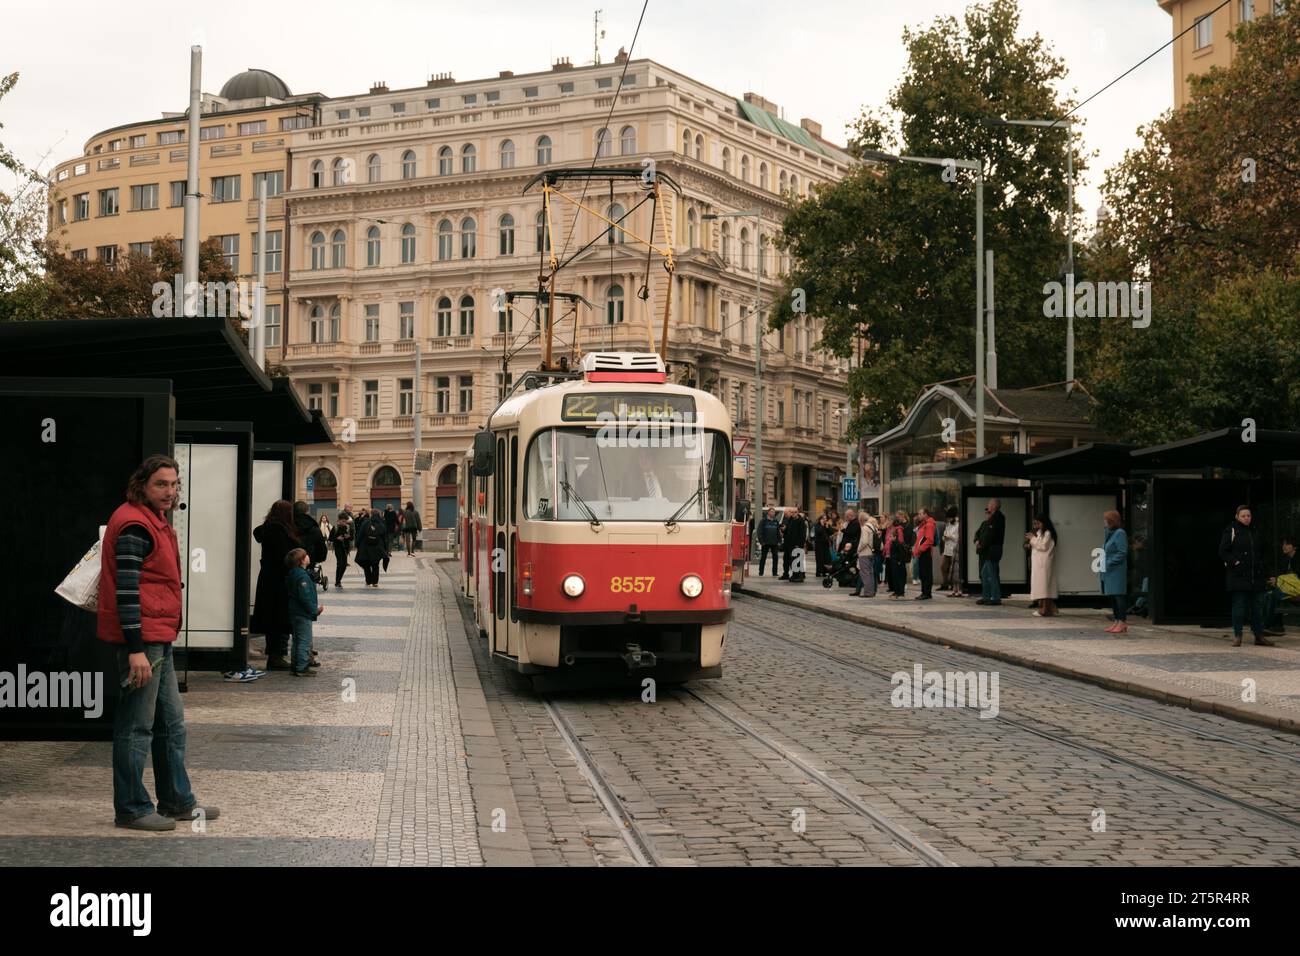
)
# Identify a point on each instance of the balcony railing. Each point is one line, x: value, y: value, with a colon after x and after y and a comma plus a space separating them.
x: 303, y: 349
x: 404, y: 422
x: 404, y: 346
x: 368, y: 424
x: 369, y: 348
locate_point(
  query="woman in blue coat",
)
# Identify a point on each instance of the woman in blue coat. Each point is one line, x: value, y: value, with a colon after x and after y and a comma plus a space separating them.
x: 1114, y: 573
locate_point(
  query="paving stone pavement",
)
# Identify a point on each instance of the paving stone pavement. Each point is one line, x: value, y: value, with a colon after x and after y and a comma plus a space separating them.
x: 363, y: 764
x: 1192, y: 667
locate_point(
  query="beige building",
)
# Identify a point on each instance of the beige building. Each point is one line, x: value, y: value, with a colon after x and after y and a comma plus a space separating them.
x: 1208, y: 42
x: 407, y: 209
x: 129, y: 184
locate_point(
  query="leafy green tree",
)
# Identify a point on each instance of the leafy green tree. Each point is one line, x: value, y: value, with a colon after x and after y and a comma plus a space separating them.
x: 22, y: 211
x: 887, y: 256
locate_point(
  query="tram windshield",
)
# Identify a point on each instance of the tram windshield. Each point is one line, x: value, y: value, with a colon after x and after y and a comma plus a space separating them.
x: 681, y: 473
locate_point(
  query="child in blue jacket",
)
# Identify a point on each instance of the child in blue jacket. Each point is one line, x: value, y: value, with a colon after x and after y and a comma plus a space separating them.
x: 303, y: 609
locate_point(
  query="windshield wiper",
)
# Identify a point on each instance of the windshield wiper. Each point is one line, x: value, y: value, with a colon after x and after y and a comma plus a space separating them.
x: 672, y: 522
x: 595, y: 522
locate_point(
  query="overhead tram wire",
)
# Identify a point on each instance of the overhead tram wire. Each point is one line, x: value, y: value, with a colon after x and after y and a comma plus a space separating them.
x: 1138, y: 64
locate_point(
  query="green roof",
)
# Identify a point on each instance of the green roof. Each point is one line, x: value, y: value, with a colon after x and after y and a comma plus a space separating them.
x: 773, y: 124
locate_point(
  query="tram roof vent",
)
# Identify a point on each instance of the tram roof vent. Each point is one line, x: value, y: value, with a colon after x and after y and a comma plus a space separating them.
x: 624, y: 367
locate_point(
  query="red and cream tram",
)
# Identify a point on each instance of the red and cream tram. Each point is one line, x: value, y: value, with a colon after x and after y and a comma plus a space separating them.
x: 597, y: 524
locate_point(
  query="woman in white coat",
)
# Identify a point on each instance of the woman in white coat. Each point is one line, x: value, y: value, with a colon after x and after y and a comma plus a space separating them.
x: 1041, y: 543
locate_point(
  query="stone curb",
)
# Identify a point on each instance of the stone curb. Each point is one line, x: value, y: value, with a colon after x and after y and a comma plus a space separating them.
x: 1205, y: 705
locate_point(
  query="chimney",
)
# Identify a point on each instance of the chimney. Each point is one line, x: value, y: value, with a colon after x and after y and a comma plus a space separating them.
x: 380, y: 87
x: 441, y: 79
x: 620, y: 56
x: 812, y: 126
x: 561, y: 64
x: 763, y: 103
x: 505, y: 74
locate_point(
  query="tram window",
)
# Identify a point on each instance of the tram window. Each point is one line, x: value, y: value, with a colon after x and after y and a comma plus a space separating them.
x: 514, y: 479
x: 571, y: 473
x: 501, y: 482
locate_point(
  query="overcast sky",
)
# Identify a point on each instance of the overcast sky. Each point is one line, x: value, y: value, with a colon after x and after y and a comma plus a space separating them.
x: 87, y: 66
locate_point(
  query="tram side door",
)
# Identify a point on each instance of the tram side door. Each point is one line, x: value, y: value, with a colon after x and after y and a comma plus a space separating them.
x: 505, y: 639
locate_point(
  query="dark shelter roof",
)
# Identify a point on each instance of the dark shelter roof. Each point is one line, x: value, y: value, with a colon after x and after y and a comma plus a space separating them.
x: 1002, y: 464
x: 213, y: 377
x: 1094, y: 458
x: 1222, y: 449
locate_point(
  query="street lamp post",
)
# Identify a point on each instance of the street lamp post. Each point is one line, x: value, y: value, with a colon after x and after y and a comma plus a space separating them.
x: 1068, y: 124
x: 758, y: 341
x: 978, y: 168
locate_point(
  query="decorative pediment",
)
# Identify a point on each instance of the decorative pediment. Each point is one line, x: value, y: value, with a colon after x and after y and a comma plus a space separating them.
x: 623, y: 252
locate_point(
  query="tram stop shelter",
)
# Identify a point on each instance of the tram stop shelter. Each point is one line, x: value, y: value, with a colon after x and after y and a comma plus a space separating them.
x: 92, y: 399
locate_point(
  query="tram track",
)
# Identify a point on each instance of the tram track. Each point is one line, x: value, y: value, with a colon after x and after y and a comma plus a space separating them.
x: 1056, y: 738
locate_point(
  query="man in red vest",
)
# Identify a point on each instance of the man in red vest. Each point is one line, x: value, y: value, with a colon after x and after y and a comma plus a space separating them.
x: 925, y: 552
x: 140, y: 612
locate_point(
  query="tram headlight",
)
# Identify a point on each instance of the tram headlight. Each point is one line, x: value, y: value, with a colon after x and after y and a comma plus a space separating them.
x: 692, y: 586
x: 574, y: 586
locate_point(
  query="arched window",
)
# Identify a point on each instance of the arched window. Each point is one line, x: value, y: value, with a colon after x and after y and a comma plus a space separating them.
x: 443, y: 316
x: 699, y: 146
x: 467, y: 315
x: 408, y: 243
x: 744, y: 248
x: 372, y: 246
x: 762, y: 263
x: 744, y: 168
x: 543, y: 237
x: 317, y: 244
x: 692, y: 230
x: 408, y: 164
x: 506, y: 233
x: 468, y: 240
x: 373, y: 168
x: 686, y: 143
x: 614, y: 305
x: 468, y: 158
x: 445, y: 160
x: 604, y: 145
x: 615, y: 234
x: 784, y: 184
x: 726, y: 242
x: 317, y: 174
x: 339, y: 249
x: 627, y: 141
x: 447, y: 476
x: 324, y: 478
x: 386, y: 477
x: 445, y: 239
x: 543, y: 151
x: 316, y: 324
x: 336, y: 319
x: 794, y: 184
x: 762, y: 175
x: 339, y: 172
x: 726, y: 159
x: 508, y: 154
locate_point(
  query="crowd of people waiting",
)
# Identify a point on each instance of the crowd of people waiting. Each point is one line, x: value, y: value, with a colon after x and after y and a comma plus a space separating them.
x: 868, y: 552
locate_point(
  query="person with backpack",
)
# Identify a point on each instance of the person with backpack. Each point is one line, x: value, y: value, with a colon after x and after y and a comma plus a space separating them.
x: 392, y: 528
x: 868, y: 545
x: 341, y: 539
x: 1245, y: 576
x: 411, y: 526
x: 371, y: 549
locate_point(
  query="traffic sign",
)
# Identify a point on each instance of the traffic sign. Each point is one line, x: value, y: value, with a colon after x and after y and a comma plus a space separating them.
x: 311, y: 483
x: 742, y: 461
x: 848, y: 489
x: 741, y: 444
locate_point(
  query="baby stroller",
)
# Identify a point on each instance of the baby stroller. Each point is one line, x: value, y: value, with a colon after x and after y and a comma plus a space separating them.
x: 844, y: 569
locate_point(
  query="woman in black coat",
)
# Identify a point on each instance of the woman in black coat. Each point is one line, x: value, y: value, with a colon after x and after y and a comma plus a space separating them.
x: 341, y: 539
x: 371, y: 541
x: 1245, y: 575
x: 822, y: 544
x: 278, y: 537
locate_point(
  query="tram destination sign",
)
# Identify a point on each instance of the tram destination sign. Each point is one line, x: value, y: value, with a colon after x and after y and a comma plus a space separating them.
x: 618, y: 406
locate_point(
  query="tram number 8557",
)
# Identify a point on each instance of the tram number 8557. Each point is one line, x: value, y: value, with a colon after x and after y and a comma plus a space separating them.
x: 631, y: 585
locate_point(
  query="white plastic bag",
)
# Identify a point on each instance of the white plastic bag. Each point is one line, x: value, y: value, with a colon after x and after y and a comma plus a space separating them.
x: 81, y: 586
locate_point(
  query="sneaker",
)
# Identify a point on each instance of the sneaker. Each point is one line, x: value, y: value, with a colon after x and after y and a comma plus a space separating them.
x: 315, y: 662
x: 246, y: 676
x: 209, y: 813
x: 151, y: 822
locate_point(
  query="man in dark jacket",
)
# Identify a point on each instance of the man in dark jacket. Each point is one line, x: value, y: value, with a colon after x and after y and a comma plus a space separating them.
x: 310, y: 538
x: 1246, y: 576
x: 1272, y: 619
x: 411, y: 526
x: 988, y: 545
x: 769, y: 538
x: 371, y: 545
x: 795, y: 543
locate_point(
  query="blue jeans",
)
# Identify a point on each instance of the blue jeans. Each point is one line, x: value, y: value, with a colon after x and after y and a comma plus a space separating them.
x: 990, y: 580
x: 1272, y: 601
x: 1241, y: 601
x: 301, y: 642
x: 149, y: 718
x: 1119, y: 603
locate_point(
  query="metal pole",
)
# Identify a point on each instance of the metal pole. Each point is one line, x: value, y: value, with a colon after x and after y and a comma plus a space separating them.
x: 991, y: 356
x: 1069, y: 265
x: 758, y: 372
x: 190, y: 231
x: 259, y: 294
x: 979, y: 311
